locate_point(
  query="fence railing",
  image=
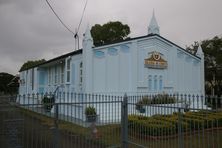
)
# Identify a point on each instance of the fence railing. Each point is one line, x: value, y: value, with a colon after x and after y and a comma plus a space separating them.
x: 166, y: 120
x: 140, y: 120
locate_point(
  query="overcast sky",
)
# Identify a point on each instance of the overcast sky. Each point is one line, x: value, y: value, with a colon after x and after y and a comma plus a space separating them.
x: 29, y: 30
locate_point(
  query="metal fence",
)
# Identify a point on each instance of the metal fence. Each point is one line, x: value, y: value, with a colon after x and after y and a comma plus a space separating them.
x: 66, y: 120
x: 175, y: 121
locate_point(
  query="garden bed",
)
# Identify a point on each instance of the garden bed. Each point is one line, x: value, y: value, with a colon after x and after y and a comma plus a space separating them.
x: 162, y: 125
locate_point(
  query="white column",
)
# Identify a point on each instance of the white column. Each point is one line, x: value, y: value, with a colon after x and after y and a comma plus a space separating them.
x: 202, y: 75
x: 134, y: 78
x: 87, y: 62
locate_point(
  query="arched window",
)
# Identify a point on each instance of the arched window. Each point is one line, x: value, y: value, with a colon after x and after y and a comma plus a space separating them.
x: 99, y: 54
x: 49, y: 76
x: 56, y: 75
x: 68, y: 68
x: 62, y: 73
x: 150, y: 82
x: 112, y: 51
x: 80, y: 74
x: 161, y: 83
x: 155, y: 83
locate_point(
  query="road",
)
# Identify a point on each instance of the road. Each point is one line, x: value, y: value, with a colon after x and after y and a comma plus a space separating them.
x: 19, y: 130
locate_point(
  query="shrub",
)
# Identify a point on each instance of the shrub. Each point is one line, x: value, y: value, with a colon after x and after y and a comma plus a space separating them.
x: 160, y: 125
x: 163, y: 99
x: 214, y: 102
x: 173, y: 119
x: 210, y: 119
x: 90, y: 112
x: 158, y: 99
x: 150, y: 126
x: 48, y: 102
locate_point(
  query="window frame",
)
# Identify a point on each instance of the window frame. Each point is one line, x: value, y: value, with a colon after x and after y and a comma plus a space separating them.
x: 56, y: 75
x: 160, y: 83
x: 32, y: 78
x: 62, y: 79
x: 80, y: 74
x: 150, y: 82
x: 49, y: 76
x: 68, y: 71
x: 155, y: 85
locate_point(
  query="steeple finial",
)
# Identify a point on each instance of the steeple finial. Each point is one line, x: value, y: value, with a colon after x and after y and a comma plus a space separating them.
x: 200, y: 51
x: 87, y: 38
x: 153, y: 26
x: 153, y: 13
x: 87, y: 34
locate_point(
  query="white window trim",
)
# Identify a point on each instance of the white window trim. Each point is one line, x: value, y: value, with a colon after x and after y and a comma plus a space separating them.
x: 59, y: 74
x: 68, y: 70
x: 49, y: 75
x: 33, y: 79
x: 155, y: 83
x: 150, y: 83
x: 62, y: 76
x: 80, y: 73
x: 161, y: 80
x: 56, y: 75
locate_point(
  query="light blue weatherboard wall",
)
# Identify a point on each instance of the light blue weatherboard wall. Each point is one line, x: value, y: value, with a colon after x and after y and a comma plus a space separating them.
x: 114, y: 70
x: 122, y: 67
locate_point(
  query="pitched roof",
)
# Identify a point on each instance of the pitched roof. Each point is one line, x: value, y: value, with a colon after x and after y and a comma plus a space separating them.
x: 57, y: 58
x: 127, y: 40
x: 147, y: 36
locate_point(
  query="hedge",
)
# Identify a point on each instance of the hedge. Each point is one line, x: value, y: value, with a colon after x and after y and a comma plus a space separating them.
x: 157, y: 99
x: 158, y: 125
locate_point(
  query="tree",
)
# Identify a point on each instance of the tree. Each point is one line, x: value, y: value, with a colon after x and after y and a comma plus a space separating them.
x: 30, y: 64
x: 109, y: 33
x: 8, y: 83
x: 193, y: 48
x: 212, y: 49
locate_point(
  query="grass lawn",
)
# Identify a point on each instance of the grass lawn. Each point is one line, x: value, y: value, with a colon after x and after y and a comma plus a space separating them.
x: 108, y: 135
x: 208, y: 134
x: 206, y: 139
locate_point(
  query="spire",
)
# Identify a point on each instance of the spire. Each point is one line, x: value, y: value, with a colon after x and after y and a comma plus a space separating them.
x: 202, y: 67
x: 153, y: 26
x: 87, y: 38
x: 87, y: 34
x: 199, y: 52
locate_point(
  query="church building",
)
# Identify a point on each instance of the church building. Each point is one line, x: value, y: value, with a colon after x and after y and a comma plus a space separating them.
x: 149, y: 63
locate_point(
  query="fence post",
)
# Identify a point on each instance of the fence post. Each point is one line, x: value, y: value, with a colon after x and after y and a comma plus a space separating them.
x: 180, y: 138
x: 124, y: 121
x: 56, y: 127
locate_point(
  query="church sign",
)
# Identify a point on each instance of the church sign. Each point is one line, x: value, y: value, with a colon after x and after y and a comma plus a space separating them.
x: 155, y: 61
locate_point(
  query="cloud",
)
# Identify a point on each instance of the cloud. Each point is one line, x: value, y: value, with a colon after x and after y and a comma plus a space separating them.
x: 29, y: 30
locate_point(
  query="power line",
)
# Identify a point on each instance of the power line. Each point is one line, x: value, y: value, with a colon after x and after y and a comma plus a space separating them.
x: 76, y: 36
x: 84, y: 9
x: 59, y: 18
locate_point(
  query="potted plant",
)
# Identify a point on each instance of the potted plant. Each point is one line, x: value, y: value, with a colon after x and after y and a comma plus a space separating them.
x: 90, y: 113
x: 140, y: 108
x: 48, y: 102
x: 140, y: 105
